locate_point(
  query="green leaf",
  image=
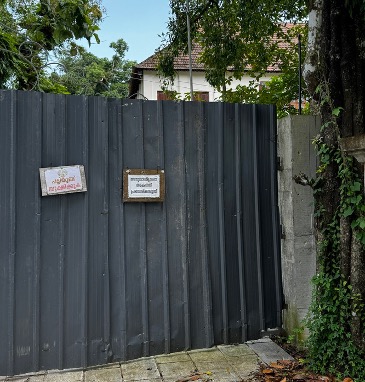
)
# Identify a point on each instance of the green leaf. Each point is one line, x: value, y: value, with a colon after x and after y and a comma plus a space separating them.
x: 362, y: 223
x: 348, y: 211
x: 356, y: 186
x: 336, y: 112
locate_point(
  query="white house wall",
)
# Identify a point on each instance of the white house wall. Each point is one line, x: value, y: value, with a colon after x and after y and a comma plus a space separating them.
x: 151, y: 84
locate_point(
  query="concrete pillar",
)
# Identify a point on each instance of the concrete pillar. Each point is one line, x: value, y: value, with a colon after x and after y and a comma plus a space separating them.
x: 296, y: 205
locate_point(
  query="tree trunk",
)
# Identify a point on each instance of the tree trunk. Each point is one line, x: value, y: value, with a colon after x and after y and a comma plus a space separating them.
x: 335, y: 64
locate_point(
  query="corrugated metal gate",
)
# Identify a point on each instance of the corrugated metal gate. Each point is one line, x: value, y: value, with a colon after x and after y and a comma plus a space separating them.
x: 86, y: 279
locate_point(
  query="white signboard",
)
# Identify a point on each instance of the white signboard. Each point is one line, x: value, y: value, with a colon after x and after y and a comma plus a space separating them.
x: 144, y: 186
x: 62, y: 180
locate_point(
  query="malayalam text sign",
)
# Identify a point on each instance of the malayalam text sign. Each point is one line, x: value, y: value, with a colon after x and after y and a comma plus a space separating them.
x: 62, y: 180
x: 142, y: 185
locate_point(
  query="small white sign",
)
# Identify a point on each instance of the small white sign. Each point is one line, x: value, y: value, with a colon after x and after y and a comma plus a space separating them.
x: 62, y: 180
x: 144, y: 186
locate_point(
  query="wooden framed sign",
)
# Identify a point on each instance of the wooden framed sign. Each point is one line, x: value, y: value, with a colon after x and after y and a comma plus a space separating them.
x: 62, y: 180
x: 141, y: 185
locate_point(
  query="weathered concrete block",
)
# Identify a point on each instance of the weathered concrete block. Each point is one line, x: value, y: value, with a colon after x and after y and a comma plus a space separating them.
x: 285, y: 180
x: 103, y: 374
x: 296, y: 205
x: 145, y: 368
x: 68, y: 376
x: 268, y: 351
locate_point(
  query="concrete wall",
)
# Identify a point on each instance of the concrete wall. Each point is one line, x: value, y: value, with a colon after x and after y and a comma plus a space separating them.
x: 297, y: 153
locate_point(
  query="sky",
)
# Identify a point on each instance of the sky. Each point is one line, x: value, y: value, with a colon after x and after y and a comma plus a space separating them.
x: 139, y: 23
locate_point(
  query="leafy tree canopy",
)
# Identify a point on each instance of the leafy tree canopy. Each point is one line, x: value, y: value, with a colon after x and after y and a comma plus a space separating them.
x: 88, y: 74
x: 237, y: 35
x: 31, y: 29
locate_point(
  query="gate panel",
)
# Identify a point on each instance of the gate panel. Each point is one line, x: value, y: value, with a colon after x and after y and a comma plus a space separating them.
x: 86, y: 279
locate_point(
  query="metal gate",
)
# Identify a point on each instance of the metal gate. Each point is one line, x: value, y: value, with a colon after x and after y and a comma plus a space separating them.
x: 87, y: 279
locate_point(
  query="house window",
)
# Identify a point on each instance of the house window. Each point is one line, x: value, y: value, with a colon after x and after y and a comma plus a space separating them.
x: 164, y: 96
x: 201, y: 96
x: 171, y: 95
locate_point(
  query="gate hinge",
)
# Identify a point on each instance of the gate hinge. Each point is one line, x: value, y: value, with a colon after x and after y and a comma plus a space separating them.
x: 282, y: 232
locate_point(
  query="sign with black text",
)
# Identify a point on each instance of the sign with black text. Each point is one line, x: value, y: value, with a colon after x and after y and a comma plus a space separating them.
x: 141, y: 185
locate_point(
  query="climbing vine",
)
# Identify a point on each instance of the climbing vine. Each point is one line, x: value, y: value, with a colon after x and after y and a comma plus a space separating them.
x: 334, y: 303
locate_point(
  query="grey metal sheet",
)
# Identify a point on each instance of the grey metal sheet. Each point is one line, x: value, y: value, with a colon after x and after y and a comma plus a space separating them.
x: 230, y: 225
x: 133, y: 157
x: 117, y: 266
x: 52, y: 239
x: 197, y: 300
x: 27, y: 210
x: 215, y: 216
x: 8, y: 153
x: 87, y: 279
x: 266, y: 138
x: 155, y: 272
x: 250, y: 246
x: 175, y: 202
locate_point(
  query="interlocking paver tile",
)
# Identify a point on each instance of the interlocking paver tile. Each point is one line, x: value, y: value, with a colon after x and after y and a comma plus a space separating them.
x: 268, y: 350
x: 143, y: 369
x: 225, y: 377
x: 28, y: 378
x: 37, y: 378
x: 174, y: 357
x: 68, y: 376
x: 112, y: 374
x: 236, y: 350
x: 145, y: 380
x: 176, y: 369
x: 213, y: 367
x: 206, y: 355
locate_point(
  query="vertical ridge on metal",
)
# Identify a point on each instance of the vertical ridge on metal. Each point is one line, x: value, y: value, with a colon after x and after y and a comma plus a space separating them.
x: 222, y: 244
x: 61, y: 127
x: 241, y: 265
x: 257, y: 222
x: 164, y: 249
x: 84, y: 234
x: 209, y: 341
x: 143, y: 246
x: 37, y: 157
x: 12, y: 231
x: 8, y: 163
x: 185, y: 248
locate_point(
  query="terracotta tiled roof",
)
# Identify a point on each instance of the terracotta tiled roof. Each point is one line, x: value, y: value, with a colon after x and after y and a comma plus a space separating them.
x: 181, y: 62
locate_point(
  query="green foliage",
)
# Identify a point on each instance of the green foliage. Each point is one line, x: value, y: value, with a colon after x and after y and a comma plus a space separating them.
x: 352, y: 197
x: 296, y: 337
x: 280, y: 90
x: 46, y: 85
x: 85, y: 73
x: 237, y: 39
x: 331, y: 345
x: 31, y: 29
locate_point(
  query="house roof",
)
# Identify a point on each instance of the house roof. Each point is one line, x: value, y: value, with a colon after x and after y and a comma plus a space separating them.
x: 181, y: 62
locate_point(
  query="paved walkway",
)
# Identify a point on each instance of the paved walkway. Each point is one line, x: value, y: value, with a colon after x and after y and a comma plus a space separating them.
x: 225, y: 363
